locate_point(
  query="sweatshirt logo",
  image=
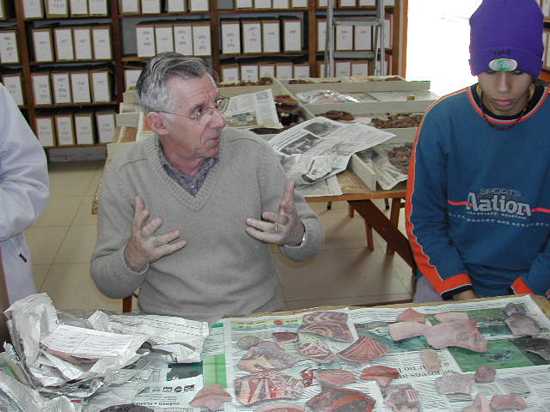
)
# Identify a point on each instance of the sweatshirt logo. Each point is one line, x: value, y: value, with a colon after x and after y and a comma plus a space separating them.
x: 499, y: 201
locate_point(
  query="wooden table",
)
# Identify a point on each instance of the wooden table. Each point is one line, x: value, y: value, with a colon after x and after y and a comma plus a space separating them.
x: 360, y: 199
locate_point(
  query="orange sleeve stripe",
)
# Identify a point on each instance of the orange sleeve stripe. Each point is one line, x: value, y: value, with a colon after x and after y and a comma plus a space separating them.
x: 520, y: 287
x: 422, y: 259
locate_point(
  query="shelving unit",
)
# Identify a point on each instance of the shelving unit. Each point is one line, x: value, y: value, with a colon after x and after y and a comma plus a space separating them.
x: 125, y: 62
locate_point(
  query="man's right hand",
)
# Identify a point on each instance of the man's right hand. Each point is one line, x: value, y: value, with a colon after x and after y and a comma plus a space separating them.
x: 467, y: 294
x: 144, y: 247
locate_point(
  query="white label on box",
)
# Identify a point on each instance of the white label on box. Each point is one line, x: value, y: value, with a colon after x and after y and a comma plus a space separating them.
x: 243, y: 4
x: 267, y: 70
x: 363, y: 38
x: 262, y: 4
x: 252, y: 40
x: 344, y: 37
x: 64, y: 44
x: 321, y: 35
x: 100, y: 87
x: 98, y: 7
x: 64, y: 127
x: 80, y: 86
x: 198, y: 5
x: 387, y: 34
x: 284, y: 71
x: 359, y: 69
x: 301, y: 71
x: 82, y: 44
x: 150, y: 6
x: 299, y: 4
x: 271, y: 37
x: 145, y: 36
x: 131, y: 77
x: 230, y: 74
x: 280, y: 4
x: 13, y: 84
x: 79, y: 7
x: 102, y: 44
x: 363, y: 3
x: 293, y: 35
x: 105, y: 127
x: 389, y: 2
x: 32, y: 9
x: 84, y: 129
x: 174, y: 6
x: 61, y: 88
x: 201, y: 40
x: 129, y: 6
x: 249, y: 72
x: 8, y: 47
x: 164, y: 39
x: 41, y: 89
x: 322, y: 3
x: 347, y: 3
x: 2, y: 11
x: 44, y: 131
x: 342, y: 69
x: 231, y: 38
x: 57, y: 7
x: 183, y: 39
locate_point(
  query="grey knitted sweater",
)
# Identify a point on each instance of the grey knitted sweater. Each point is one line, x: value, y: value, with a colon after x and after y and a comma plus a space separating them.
x: 222, y: 270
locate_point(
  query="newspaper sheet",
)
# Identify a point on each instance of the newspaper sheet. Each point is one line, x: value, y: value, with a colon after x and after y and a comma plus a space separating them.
x: 252, y: 110
x: 327, y: 187
x: 319, y: 148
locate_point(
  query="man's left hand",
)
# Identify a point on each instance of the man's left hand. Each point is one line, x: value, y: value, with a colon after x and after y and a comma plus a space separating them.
x: 281, y: 228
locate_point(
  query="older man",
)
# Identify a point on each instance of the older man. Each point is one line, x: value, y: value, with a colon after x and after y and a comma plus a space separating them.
x: 478, y: 202
x: 189, y: 216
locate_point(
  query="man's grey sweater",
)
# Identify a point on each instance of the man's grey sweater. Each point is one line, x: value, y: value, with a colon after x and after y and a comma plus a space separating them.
x: 222, y: 270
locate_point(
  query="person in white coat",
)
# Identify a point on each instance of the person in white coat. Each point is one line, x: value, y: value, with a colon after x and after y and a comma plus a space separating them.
x: 23, y: 194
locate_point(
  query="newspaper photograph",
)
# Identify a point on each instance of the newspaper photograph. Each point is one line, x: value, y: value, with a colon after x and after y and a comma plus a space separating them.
x: 251, y: 110
x: 319, y: 148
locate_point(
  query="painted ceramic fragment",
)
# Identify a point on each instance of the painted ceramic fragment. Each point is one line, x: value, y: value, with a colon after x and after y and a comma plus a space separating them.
x: 281, y: 407
x: 333, y: 325
x: 285, y: 337
x: 363, y: 350
x: 246, y: 342
x: 401, y: 398
x: 481, y: 404
x: 266, y: 386
x: 264, y: 356
x: 312, y: 347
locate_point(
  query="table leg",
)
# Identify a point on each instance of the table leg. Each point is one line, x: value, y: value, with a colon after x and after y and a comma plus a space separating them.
x: 378, y: 221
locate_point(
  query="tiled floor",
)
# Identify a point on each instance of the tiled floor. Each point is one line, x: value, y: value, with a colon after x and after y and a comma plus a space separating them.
x: 345, y: 272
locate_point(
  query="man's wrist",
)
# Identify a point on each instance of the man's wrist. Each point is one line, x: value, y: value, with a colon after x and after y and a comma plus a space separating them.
x: 130, y: 261
x: 301, y: 238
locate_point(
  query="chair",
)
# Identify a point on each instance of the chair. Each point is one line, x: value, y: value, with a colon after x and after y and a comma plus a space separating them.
x: 127, y: 302
x: 4, y: 304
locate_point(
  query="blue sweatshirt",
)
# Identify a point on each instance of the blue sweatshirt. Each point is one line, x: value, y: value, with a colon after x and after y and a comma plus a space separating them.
x: 478, y: 199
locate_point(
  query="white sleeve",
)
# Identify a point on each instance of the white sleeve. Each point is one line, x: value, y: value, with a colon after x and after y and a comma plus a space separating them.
x: 23, y: 171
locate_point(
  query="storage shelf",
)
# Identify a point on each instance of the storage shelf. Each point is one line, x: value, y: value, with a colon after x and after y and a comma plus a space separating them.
x: 72, y: 105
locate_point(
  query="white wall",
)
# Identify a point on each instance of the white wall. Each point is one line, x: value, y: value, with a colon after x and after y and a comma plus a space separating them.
x: 437, y: 43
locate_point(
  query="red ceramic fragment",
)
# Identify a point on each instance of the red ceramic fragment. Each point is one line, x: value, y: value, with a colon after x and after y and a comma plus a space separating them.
x: 411, y: 315
x: 511, y: 402
x: 338, y: 399
x: 264, y: 356
x: 334, y: 377
x: 485, y: 374
x: 454, y: 383
x: 462, y: 334
x: 281, y: 407
x: 430, y: 360
x: 211, y: 397
x: 481, y: 404
x: 401, y: 398
x: 405, y: 330
x: 264, y: 386
x: 333, y: 325
x: 522, y: 325
x: 285, y: 337
x: 312, y: 347
x: 383, y: 375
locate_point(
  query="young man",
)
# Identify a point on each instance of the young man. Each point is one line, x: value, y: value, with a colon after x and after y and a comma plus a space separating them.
x: 189, y: 216
x: 478, y: 201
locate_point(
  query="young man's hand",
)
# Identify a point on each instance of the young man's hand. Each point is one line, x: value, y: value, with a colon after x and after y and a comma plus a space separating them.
x: 467, y: 294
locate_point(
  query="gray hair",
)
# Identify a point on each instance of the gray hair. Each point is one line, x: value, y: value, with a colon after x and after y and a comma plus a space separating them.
x: 152, y: 90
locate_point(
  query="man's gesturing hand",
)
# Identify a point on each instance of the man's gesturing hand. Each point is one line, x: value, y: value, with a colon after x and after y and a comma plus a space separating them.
x: 281, y: 228
x: 144, y: 247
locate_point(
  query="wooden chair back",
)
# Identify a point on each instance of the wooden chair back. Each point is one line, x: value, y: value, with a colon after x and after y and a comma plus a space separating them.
x: 4, y: 304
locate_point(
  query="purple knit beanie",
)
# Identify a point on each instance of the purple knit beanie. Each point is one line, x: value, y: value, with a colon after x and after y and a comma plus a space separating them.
x: 506, y: 35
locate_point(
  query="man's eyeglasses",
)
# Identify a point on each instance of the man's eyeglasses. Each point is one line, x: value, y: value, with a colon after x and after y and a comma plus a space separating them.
x: 203, y: 113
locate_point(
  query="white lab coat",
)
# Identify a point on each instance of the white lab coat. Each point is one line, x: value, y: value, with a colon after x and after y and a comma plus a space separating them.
x: 23, y: 194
